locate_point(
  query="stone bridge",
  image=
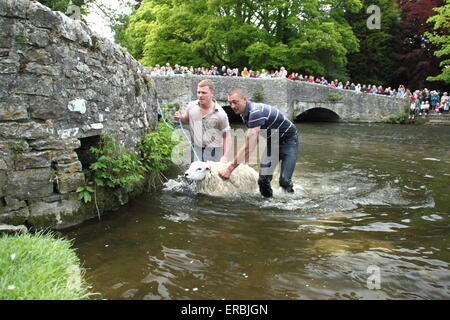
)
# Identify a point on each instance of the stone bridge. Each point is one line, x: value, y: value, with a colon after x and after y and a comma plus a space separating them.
x: 298, y: 100
x: 62, y: 85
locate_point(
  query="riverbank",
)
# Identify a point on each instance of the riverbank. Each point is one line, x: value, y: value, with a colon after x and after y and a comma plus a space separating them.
x: 40, y: 266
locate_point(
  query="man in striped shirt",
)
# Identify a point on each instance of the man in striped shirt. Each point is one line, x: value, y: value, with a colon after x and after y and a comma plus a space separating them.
x: 282, y: 141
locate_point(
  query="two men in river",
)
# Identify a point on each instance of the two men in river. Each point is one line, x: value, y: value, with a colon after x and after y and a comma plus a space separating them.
x: 260, y: 119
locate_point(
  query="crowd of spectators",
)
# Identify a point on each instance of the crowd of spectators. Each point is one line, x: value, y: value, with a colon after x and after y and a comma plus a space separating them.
x: 422, y: 101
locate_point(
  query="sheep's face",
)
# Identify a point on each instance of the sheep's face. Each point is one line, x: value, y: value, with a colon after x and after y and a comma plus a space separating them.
x: 197, y: 171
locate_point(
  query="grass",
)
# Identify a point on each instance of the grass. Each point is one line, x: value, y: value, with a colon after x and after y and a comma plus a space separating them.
x: 40, y: 267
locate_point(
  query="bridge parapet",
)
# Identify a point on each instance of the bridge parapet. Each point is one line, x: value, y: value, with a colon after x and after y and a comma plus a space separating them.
x: 292, y: 97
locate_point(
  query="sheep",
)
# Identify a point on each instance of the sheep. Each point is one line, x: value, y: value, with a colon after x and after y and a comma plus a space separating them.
x: 244, y: 178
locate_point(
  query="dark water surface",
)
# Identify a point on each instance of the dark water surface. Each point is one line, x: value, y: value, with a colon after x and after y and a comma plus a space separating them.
x: 369, y: 220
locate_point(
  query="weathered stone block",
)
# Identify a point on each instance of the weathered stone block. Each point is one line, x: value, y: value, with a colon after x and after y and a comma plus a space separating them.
x: 2, y: 182
x: 7, y: 33
x: 9, y: 68
x: 10, y: 229
x: 34, y: 85
x: 39, y: 37
x: 64, y: 157
x: 70, y: 182
x: 69, y: 168
x: 29, y: 130
x: 51, y: 143
x: 36, y: 68
x: 27, y: 184
x: 46, y: 108
x: 12, y: 108
x: 15, y: 217
x: 53, y: 198
x: 32, y: 160
x: 14, y: 8
x: 3, y: 165
x: 50, y: 214
x: 42, y: 17
x: 13, y: 204
x: 40, y: 56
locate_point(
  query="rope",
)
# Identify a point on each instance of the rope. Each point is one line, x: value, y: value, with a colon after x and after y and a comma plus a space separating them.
x: 179, y: 126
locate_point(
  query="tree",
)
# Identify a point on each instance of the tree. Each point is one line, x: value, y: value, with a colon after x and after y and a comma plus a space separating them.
x: 374, y: 62
x: 441, y: 38
x: 309, y: 36
x: 414, y: 52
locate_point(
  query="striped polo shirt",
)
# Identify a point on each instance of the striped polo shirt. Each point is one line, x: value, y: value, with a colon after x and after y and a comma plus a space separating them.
x: 269, y: 118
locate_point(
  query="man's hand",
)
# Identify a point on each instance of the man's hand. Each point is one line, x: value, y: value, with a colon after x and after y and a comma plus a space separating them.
x: 177, y: 115
x: 225, y: 173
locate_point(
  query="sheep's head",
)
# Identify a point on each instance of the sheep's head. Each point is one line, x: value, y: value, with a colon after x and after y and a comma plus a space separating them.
x: 197, y: 171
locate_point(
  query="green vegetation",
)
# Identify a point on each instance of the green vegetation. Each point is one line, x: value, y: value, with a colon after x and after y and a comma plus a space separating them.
x: 399, y: 119
x: 85, y: 193
x: 376, y: 57
x: 156, y: 148
x: 40, y: 267
x: 21, y: 38
x: 402, y: 118
x: 260, y: 34
x: 328, y: 38
x: 119, y: 170
x: 441, y: 38
x: 334, y: 97
x: 137, y: 89
x: 258, y: 96
x: 114, y: 167
x: 19, y: 147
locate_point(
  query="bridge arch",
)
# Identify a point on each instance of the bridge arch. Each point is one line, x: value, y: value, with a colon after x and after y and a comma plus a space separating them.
x: 317, y: 114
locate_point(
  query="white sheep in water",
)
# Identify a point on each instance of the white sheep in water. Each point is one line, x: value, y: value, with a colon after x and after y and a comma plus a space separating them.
x: 244, y: 178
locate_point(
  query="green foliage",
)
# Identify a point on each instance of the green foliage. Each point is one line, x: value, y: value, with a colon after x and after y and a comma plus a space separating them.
x: 402, y: 118
x: 334, y: 97
x: 258, y: 96
x: 21, y: 38
x: 40, y: 267
x: 399, y: 119
x: 19, y: 147
x: 137, y: 89
x: 308, y: 35
x: 85, y: 193
x: 156, y: 148
x: 115, y: 167
x: 375, y: 61
x: 118, y: 169
x: 441, y: 38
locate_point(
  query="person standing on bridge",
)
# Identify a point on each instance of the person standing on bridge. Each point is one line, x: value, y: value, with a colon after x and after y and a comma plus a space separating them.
x: 282, y: 141
x: 208, y: 125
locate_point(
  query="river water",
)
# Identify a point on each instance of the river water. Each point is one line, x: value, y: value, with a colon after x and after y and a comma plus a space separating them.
x: 369, y: 219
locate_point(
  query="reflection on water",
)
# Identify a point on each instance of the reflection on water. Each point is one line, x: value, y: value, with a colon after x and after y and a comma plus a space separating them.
x: 366, y: 196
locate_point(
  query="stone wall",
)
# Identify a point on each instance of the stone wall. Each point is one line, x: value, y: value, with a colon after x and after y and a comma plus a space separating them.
x: 60, y: 83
